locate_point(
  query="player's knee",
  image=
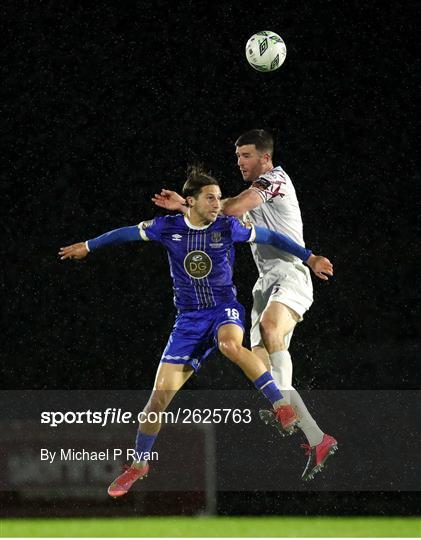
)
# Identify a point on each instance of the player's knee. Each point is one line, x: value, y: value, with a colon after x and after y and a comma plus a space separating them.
x: 231, y: 349
x: 268, y: 328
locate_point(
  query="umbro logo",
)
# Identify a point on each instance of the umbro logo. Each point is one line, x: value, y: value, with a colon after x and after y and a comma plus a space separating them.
x: 176, y: 237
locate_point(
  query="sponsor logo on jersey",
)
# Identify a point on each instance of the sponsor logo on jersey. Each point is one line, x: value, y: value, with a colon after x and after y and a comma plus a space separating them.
x: 176, y: 237
x: 197, y: 264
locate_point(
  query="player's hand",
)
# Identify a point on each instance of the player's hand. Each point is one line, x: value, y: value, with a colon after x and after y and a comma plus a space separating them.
x: 75, y: 251
x: 321, y: 266
x: 170, y: 200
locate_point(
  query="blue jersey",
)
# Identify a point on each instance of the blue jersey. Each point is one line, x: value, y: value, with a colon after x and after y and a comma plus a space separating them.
x: 201, y: 258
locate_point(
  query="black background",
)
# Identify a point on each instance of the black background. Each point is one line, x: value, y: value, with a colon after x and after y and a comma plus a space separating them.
x: 104, y: 104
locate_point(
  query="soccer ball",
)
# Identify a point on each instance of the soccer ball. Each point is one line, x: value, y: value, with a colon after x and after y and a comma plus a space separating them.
x: 266, y: 51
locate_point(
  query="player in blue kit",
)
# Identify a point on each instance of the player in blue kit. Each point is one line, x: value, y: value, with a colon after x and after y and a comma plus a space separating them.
x: 201, y: 256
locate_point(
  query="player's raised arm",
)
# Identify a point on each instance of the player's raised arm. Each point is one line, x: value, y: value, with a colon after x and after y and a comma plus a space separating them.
x: 242, y: 203
x: 115, y: 237
x: 170, y: 200
x: 321, y: 266
x: 233, y: 206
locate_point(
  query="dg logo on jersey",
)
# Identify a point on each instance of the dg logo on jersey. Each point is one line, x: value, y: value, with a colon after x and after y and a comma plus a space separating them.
x: 197, y: 264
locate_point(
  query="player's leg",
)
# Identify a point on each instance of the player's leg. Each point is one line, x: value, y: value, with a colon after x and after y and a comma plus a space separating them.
x: 230, y: 338
x: 169, y: 379
x: 276, y: 322
x: 276, y: 326
x: 280, y: 298
x: 175, y: 368
x: 317, y: 453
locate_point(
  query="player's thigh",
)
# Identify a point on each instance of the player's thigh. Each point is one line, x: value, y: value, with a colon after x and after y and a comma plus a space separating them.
x: 279, y: 318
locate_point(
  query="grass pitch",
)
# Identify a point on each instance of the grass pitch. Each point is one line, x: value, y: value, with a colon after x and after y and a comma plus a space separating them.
x: 212, y: 527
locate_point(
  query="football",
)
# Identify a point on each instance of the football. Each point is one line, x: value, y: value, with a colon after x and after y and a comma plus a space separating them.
x: 266, y: 51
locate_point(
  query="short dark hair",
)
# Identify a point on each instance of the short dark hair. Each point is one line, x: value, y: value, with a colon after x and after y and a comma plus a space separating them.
x: 197, y: 178
x: 262, y: 140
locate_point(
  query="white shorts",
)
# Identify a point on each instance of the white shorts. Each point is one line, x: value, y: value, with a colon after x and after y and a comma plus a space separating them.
x: 288, y: 283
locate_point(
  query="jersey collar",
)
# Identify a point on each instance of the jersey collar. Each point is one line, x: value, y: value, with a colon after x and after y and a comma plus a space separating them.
x: 195, y: 227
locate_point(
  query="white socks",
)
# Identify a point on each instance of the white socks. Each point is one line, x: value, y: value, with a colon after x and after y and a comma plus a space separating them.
x: 281, y: 365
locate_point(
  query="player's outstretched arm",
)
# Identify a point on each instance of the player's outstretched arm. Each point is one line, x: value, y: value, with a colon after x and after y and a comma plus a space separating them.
x: 321, y: 266
x: 170, y: 200
x: 115, y: 237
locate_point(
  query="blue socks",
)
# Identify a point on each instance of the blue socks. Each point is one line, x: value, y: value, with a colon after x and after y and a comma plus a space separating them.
x: 267, y: 386
x: 144, y: 445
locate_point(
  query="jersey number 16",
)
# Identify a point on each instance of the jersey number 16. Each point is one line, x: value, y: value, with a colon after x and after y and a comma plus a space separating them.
x: 232, y: 313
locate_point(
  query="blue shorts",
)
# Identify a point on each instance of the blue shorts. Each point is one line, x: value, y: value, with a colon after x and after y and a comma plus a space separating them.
x: 194, y: 334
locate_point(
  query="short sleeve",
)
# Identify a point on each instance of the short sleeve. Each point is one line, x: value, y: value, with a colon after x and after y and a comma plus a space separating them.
x: 152, y: 229
x: 270, y: 185
x: 241, y: 231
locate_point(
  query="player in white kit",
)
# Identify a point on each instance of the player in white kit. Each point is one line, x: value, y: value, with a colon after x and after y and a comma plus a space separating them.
x: 283, y: 291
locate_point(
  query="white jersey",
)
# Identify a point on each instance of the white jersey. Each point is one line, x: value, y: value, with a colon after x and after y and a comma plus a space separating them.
x: 280, y: 212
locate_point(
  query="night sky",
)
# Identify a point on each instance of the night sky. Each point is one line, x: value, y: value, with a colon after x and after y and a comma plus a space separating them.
x: 105, y: 103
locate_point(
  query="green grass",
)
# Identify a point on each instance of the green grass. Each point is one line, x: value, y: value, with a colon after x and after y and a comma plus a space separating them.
x: 211, y: 527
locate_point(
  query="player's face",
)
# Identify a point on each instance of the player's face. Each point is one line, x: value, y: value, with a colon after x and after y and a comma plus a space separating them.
x: 251, y: 162
x: 207, y: 205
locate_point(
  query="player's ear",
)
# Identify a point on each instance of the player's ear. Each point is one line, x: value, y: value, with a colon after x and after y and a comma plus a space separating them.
x: 190, y: 201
